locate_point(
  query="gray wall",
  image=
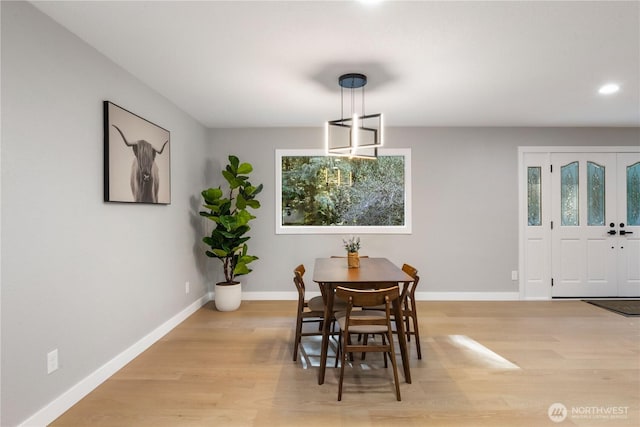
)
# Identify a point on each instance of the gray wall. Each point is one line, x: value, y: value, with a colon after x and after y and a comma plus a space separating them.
x: 465, y: 202
x: 80, y: 275
x: 91, y: 278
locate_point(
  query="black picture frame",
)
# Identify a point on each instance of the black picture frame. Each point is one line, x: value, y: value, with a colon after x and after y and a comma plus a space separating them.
x: 137, y: 158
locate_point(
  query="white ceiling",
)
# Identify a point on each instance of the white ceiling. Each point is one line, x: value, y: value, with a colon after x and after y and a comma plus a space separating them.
x: 266, y: 63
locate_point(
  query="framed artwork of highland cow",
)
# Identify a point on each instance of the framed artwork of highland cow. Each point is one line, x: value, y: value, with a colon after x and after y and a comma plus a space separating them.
x: 136, y: 158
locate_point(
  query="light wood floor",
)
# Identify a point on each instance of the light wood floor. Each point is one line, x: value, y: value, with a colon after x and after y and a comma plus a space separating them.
x: 484, y: 364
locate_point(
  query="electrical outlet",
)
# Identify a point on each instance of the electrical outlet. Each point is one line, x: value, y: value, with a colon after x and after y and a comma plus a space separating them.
x: 52, y: 361
x: 187, y: 288
x: 514, y: 275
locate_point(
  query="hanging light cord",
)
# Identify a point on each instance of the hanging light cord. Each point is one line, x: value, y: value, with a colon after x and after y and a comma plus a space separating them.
x: 341, y: 103
x: 353, y: 102
x: 361, y: 117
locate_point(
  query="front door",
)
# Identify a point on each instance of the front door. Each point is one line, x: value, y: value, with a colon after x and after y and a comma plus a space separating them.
x: 595, y: 246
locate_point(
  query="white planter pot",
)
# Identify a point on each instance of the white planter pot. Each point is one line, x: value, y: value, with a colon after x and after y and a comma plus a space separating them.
x: 227, y: 297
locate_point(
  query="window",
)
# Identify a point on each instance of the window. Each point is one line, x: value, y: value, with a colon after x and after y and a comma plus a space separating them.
x: 327, y: 194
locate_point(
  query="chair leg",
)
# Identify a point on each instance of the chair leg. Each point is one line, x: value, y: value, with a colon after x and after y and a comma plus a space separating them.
x: 384, y: 342
x: 417, y: 334
x: 365, y: 340
x: 392, y: 355
x: 407, y: 328
x: 339, y: 349
x: 343, y: 360
x: 298, y: 338
x: 348, y: 341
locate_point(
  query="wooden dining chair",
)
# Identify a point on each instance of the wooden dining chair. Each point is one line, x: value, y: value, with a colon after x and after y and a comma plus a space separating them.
x: 409, y: 307
x: 364, y: 322
x: 309, y: 311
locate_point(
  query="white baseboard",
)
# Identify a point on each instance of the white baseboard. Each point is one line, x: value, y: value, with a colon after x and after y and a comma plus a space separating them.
x: 420, y: 296
x: 468, y: 296
x: 72, y: 396
x: 274, y: 296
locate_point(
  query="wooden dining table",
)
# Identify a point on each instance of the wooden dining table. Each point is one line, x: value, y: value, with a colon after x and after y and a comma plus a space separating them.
x: 374, y: 273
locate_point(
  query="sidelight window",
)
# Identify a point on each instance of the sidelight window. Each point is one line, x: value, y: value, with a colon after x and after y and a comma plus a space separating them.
x: 534, y: 193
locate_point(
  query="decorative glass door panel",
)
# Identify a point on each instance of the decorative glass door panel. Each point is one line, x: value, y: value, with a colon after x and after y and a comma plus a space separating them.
x: 595, y: 194
x: 570, y: 187
x: 534, y: 193
x: 633, y: 194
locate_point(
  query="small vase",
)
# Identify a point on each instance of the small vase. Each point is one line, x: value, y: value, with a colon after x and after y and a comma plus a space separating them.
x: 353, y: 260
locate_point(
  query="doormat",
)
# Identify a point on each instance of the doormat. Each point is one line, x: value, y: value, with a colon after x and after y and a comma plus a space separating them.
x: 626, y: 307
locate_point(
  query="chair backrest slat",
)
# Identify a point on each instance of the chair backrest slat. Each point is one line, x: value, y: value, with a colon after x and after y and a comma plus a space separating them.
x: 369, y: 297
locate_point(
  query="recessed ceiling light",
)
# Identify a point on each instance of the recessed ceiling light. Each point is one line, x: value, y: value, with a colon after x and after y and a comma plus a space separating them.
x: 609, y: 88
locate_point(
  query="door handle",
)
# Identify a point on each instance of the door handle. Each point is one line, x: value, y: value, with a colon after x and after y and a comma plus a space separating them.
x: 613, y: 232
x: 623, y: 232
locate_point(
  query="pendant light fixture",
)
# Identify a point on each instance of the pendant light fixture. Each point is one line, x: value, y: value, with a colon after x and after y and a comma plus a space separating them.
x: 358, y: 135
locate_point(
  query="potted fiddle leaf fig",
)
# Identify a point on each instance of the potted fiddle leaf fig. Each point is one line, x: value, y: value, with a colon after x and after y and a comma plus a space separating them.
x: 228, y: 240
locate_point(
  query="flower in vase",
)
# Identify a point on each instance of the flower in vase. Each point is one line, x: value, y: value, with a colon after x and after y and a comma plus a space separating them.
x: 352, y: 244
